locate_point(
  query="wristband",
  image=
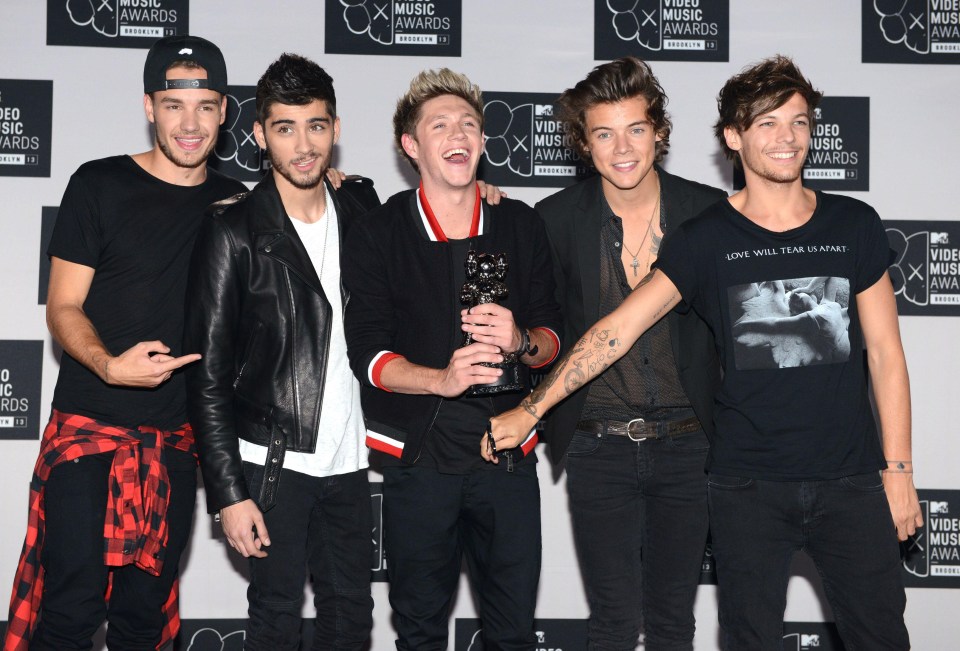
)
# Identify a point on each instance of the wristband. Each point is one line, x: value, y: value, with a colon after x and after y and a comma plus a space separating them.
x: 525, y: 348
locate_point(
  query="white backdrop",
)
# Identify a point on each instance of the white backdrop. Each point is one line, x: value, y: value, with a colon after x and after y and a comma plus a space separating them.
x: 508, y: 45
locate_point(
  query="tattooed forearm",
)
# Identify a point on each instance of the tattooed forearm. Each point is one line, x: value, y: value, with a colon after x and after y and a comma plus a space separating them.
x: 591, y: 355
x: 665, y: 307
x: 528, y: 407
x: 573, y: 381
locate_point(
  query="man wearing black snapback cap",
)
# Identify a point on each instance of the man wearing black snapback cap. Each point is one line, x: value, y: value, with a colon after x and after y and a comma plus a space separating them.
x: 113, y: 493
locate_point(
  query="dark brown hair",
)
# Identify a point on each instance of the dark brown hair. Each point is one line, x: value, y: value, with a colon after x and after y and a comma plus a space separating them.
x: 295, y: 81
x: 760, y: 89
x: 611, y: 82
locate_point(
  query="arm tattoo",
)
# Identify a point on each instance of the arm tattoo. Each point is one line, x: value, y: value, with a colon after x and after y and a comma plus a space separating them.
x: 663, y: 308
x: 528, y: 407
x: 589, y: 357
x: 646, y: 279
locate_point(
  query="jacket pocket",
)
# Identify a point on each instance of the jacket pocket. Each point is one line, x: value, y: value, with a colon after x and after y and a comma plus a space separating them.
x: 248, y: 352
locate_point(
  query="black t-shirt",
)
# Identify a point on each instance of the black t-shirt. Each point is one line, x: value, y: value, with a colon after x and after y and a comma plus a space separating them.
x: 793, y: 404
x: 137, y: 233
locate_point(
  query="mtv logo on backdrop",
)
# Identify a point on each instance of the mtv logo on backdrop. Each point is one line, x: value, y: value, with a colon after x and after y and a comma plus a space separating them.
x: 115, y: 23
x: 526, y: 146
x: 662, y: 30
x: 926, y: 269
x: 237, y: 153
x: 809, y: 636
x: 910, y: 31
x: 939, y: 508
x: 26, y: 122
x: 394, y: 27
x: 931, y: 557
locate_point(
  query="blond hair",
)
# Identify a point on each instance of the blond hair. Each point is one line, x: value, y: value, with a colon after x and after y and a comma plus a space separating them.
x: 426, y: 86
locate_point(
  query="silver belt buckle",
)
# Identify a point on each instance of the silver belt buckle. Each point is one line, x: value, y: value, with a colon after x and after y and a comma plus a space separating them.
x: 630, y: 435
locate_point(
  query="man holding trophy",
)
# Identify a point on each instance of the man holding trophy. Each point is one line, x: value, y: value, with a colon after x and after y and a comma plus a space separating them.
x: 426, y: 340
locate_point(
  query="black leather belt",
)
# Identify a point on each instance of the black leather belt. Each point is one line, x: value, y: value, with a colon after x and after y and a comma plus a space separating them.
x: 639, y: 429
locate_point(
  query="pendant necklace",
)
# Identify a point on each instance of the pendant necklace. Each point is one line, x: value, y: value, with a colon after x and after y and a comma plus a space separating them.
x: 655, y: 240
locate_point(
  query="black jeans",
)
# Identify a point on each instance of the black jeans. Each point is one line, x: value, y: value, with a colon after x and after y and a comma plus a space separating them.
x: 639, y: 513
x: 843, y: 524
x: 430, y: 519
x: 75, y: 582
x: 324, y: 524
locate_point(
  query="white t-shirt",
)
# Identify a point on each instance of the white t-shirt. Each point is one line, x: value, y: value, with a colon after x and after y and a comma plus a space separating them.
x: 340, y: 442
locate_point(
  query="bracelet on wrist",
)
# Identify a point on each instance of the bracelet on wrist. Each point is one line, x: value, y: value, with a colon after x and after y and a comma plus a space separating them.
x: 899, y: 467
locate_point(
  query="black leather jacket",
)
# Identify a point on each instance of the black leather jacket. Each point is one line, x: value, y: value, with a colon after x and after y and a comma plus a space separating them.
x: 257, y: 313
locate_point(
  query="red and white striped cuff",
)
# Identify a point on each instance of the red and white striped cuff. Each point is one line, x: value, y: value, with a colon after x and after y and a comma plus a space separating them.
x: 376, y: 365
x: 556, y: 342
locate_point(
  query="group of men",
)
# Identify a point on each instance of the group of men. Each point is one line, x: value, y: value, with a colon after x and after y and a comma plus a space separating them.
x: 295, y: 325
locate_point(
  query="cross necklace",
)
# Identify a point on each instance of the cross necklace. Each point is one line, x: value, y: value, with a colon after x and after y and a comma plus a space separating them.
x: 654, y: 243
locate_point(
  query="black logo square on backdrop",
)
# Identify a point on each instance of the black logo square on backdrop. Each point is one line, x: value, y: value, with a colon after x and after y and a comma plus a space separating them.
x: 662, y: 30
x: 115, y: 23
x: 526, y: 146
x: 394, y: 27
x: 21, y: 367
x: 926, y: 268
x: 26, y: 121
x: 237, y: 153
x: 910, y: 31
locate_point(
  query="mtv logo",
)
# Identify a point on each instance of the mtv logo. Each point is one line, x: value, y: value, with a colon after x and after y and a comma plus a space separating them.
x: 810, y: 640
x: 541, y: 637
x: 939, y: 238
x: 543, y: 110
x: 817, y: 113
x: 939, y: 508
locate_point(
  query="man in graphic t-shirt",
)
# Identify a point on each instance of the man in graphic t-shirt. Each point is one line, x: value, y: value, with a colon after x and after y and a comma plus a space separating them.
x: 119, y: 256
x: 796, y: 461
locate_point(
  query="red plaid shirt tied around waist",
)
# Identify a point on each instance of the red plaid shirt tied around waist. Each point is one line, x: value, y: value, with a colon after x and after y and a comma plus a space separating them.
x: 135, y: 529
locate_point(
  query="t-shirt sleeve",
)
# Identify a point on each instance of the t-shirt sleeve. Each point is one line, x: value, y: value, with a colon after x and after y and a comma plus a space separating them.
x: 875, y: 255
x: 77, y: 233
x: 675, y: 261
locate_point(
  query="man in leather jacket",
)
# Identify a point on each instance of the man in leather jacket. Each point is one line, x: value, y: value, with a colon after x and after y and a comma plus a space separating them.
x: 274, y: 403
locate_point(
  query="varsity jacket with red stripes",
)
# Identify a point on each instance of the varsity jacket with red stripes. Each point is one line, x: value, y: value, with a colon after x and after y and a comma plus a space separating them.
x: 402, y: 302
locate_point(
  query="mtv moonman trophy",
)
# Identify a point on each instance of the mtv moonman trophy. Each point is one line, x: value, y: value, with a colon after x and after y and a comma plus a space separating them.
x: 485, y: 274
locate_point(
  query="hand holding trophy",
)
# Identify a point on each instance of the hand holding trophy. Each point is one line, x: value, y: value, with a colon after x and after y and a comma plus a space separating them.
x: 485, y: 275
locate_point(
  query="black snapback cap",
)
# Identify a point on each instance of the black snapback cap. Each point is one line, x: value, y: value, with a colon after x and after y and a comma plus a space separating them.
x: 184, y: 48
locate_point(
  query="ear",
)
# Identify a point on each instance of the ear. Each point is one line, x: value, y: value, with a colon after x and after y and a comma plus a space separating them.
x: 223, y: 109
x: 336, y: 129
x: 259, y: 135
x: 732, y: 136
x: 410, y: 145
x: 148, y: 108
